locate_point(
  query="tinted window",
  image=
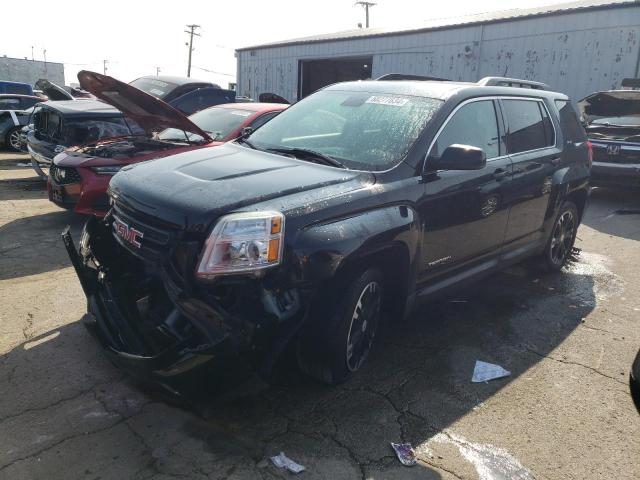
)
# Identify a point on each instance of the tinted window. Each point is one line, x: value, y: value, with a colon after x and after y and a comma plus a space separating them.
x: 157, y: 88
x: 202, y: 98
x: 363, y: 130
x: 86, y: 130
x: 217, y: 122
x: 474, y: 124
x: 258, y: 122
x: 571, y: 128
x: 528, y: 129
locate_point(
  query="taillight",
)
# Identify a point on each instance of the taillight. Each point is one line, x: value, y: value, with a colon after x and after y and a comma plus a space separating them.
x: 589, y: 154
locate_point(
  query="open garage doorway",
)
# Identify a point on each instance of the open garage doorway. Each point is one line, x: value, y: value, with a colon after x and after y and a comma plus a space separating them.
x: 315, y: 74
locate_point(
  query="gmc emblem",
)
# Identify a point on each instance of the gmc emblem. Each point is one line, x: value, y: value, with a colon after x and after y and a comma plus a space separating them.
x: 127, y: 233
x: 613, y: 149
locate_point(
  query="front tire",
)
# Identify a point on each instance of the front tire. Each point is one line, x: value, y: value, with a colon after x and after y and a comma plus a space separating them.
x: 12, y: 140
x: 559, y: 247
x: 336, y: 343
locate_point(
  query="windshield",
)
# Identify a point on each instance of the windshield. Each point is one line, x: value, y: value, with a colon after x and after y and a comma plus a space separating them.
x: 83, y: 131
x: 626, y: 121
x: 217, y: 122
x: 362, y: 130
x: 157, y: 88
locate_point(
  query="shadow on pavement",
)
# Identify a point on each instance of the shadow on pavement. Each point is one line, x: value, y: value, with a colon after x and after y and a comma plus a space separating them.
x: 416, y: 384
x: 32, y: 245
x: 23, y: 188
x: 614, y: 212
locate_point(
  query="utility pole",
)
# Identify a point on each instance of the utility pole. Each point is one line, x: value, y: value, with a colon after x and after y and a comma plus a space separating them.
x: 32, y: 59
x: 191, y: 32
x: 366, y: 6
x: 104, y: 66
x: 157, y: 71
x: 44, y: 54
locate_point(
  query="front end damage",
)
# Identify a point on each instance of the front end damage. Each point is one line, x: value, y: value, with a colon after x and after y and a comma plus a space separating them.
x: 159, y: 324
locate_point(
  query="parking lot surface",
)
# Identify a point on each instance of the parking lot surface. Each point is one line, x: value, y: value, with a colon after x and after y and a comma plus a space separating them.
x: 563, y: 413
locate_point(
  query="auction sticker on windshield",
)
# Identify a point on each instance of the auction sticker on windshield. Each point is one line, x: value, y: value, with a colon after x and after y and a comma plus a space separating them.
x: 381, y: 100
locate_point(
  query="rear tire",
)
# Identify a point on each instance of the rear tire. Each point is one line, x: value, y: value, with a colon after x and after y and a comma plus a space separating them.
x: 12, y: 140
x: 559, y: 247
x: 337, y: 340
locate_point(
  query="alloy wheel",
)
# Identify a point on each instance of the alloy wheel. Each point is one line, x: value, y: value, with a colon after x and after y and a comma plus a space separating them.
x: 563, y: 238
x: 363, y: 326
x: 14, y: 139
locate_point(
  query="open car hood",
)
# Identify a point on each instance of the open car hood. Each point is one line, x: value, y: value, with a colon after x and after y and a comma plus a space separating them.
x: 268, y: 97
x: 152, y: 114
x: 53, y: 91
x: 614, y: 103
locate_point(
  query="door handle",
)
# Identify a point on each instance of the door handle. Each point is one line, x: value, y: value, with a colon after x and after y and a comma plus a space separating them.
x: 500, y: 173
x: 555, y: 161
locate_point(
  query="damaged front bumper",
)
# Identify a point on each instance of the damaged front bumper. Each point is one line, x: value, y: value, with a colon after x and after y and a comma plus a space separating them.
x: 161, y: 331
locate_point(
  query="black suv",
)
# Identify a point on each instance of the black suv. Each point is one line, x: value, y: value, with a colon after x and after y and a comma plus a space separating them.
x: 363, y: 197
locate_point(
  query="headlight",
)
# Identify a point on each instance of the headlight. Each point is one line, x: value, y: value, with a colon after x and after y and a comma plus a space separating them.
x: 243, y: 242
x: 110, y: 170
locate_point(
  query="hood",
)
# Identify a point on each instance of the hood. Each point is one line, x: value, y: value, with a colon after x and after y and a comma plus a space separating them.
x: 609, y: 104
x: 192, y: 189
x: 152, y: 114
x: 53, y: 91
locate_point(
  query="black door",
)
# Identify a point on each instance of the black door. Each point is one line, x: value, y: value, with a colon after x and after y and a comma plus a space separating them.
x: 531, y: 143
x: 465, y: 214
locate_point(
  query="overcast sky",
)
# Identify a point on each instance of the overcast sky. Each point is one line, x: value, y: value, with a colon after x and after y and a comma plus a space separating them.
x: 136, y: 36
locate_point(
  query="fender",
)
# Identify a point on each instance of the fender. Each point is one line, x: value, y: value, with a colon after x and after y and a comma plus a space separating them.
x: 564, y: 182
x: 323, y: 249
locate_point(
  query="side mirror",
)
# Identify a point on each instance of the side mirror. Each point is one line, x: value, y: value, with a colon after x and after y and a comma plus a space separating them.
x: 245, y: 132
x: 459, y: 157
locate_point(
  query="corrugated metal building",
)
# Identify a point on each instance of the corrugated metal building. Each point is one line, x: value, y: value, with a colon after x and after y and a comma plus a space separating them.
x: 30, y: 71
x: 577, y: 48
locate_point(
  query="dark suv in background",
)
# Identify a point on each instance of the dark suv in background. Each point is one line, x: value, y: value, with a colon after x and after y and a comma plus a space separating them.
x: 363, y: 197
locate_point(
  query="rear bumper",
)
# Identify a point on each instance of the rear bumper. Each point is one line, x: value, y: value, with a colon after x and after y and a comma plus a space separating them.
x: 615, y: 175
x: 197, y: 338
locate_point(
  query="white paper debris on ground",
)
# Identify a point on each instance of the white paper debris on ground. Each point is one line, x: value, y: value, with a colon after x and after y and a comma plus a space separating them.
x: 282, y: 461
x: 483, y: 372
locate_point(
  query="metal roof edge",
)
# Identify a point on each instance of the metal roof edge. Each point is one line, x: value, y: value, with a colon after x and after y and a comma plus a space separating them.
x: 515, y: 17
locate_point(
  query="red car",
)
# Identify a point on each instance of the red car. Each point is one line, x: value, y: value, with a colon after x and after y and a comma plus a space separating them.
x: 79, y: 176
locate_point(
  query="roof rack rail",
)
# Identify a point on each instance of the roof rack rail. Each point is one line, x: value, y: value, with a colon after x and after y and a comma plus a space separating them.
x: 512, y: 82
x: 403, y: 76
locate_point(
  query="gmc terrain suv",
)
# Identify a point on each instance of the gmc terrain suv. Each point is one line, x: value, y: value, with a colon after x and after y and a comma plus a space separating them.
x: 363, y: 197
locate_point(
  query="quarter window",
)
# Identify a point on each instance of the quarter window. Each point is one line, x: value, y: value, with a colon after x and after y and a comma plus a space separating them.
x: 530, y: 127
x: 474, y: 124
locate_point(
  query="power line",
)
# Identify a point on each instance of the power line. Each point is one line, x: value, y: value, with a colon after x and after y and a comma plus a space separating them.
x: 213, y: 71
x: 191, y: 32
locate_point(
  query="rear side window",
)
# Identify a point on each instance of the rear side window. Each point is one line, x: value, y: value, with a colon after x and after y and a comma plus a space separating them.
x: 474, y: 124
x: 530, y: 127
x: 571, y: 128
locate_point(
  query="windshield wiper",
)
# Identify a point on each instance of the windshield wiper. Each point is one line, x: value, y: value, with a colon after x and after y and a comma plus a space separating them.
x: 306, y: 154
x: 246, y: 142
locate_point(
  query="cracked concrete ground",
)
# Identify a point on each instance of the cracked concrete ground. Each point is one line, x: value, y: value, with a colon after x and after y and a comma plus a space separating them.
x: 564, y: 413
